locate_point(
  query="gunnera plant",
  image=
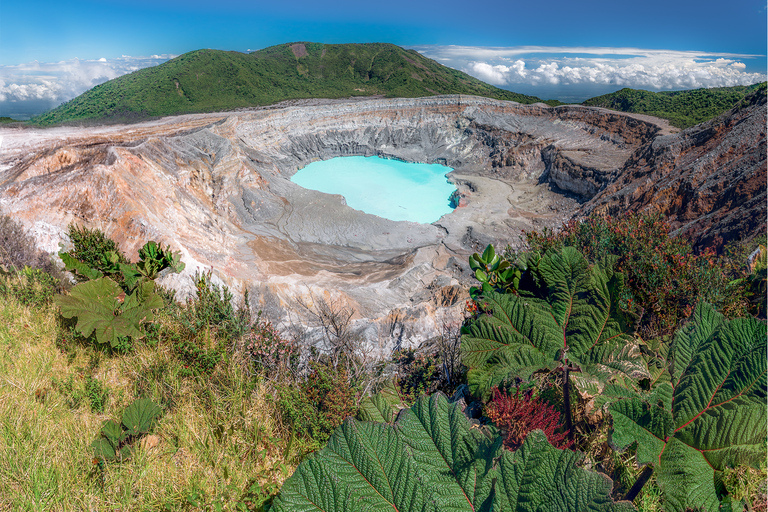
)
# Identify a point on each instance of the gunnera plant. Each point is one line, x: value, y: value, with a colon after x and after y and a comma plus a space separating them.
x: 433, y: 459
x: 116, y: 441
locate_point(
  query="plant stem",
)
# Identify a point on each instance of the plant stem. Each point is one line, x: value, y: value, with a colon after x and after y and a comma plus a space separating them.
x: 639, y: 483
x: 567, y: 398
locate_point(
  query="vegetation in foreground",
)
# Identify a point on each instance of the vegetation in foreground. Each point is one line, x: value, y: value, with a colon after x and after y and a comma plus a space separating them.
x: 682, y: 109
x: 198, y: 406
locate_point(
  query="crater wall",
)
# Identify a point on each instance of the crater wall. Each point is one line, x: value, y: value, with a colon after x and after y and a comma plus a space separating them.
x: 217, y: 187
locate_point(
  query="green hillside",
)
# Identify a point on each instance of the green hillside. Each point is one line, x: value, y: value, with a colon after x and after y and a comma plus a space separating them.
x: 213, y: 80
x: 681, y: 108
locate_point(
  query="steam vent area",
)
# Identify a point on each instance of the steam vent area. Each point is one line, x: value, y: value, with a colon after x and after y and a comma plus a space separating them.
x: 218, y: 188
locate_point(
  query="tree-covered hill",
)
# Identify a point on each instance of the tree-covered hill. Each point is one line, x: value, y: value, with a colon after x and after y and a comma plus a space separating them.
x: 681, y: 108
x: 213, y: 80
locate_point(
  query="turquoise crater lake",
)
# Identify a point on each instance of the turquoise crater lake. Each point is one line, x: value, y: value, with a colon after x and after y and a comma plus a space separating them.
x: 388, y: 188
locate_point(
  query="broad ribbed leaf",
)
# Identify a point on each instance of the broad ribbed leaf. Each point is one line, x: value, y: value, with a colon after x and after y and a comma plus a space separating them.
x: 71, y: 263
x: 578, y: 322
x: 382, y: 407
x: 113, y: 431
x: 106, y: 445
x: 103, y: 448
x: 432, y: 459
x: 711, y: 416
x: 140, y: 417
x: 518, y: 338
x: 539, y: 477
x: 98, y: 309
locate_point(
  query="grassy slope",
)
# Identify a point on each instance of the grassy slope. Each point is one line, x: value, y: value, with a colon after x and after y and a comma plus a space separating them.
x: 681, y: 108
x: 212, y: 80
x: 216, y: 435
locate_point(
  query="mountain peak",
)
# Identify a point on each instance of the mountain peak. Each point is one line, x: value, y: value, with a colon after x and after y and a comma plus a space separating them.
x: 213, y: 80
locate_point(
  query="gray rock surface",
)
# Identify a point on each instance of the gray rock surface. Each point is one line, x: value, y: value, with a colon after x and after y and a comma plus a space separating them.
x: 217, y: 187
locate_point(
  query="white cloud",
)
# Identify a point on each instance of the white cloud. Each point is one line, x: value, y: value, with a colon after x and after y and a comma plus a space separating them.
x: 56, y: 82
x: 581, y: 66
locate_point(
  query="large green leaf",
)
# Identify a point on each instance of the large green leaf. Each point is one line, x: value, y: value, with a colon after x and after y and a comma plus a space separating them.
x: 432, y: 459
x: 712, y: 414
x: 73, y: 264
x: 140, y: 417
x: 382, y: 407
x: 101, y: 307
x: 572, y: 317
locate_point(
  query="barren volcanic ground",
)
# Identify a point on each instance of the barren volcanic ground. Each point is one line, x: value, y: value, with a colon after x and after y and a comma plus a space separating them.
x: 217, y: 188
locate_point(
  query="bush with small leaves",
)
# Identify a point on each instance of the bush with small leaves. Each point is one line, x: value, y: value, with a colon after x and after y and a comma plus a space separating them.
x: 665, y: 277
x: 212, y: 312
x: 30, y: 286
x: 272, y: 355
x: 417, y: 374
x: 319, y: 404
x: 92, y: 247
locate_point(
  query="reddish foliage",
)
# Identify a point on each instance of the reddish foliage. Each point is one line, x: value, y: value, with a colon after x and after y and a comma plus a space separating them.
x: 663, y: 275
x: 517, y: 415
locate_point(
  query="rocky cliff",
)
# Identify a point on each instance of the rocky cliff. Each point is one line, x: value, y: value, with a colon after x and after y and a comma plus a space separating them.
x: 709, y: 180
x: 217, y: 187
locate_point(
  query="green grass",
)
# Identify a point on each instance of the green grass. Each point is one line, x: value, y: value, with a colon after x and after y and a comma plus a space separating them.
x: 682, y: 108
x: 217, y: 439
x: 212, y: 80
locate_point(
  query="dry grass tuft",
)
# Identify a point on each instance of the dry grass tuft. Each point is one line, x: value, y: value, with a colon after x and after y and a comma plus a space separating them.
x: 216, y: 438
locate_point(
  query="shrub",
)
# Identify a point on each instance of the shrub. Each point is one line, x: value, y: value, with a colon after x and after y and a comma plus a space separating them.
x: 18, y: 249
x: 91, y: 247
x: 211, y: 310
x: 197, y: 357
x: 517, y: 416
x: 272, y: 355
x: 319, y: 404
x: 664, y: 276
x: 30, y: 286
x: 417, y: 374
x: 204, y: 326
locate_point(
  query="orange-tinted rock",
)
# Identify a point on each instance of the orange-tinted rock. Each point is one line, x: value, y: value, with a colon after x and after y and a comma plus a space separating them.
x: 709, y: 180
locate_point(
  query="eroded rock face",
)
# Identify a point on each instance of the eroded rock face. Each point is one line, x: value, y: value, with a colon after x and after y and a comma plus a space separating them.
x: 217, y: 187
x: 709, y: 180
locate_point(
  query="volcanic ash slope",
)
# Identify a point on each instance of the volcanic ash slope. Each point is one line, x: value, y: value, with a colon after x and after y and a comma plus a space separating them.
x: 217, y: 188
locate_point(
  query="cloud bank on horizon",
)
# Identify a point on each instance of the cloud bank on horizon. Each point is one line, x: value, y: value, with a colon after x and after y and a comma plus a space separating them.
x: 34, y: 87
x: 577, y: 73
x: 567, y: 73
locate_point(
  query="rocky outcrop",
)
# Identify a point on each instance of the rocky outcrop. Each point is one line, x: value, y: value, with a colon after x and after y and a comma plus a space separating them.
x: 217, y: 188
x: 709, y: 180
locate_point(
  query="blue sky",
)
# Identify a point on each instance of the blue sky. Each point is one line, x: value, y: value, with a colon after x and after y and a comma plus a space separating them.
x: 51, y: 51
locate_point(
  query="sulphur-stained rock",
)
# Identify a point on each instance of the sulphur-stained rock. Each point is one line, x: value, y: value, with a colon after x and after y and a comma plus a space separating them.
x: 217, y: 188
x: 709, y: 180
